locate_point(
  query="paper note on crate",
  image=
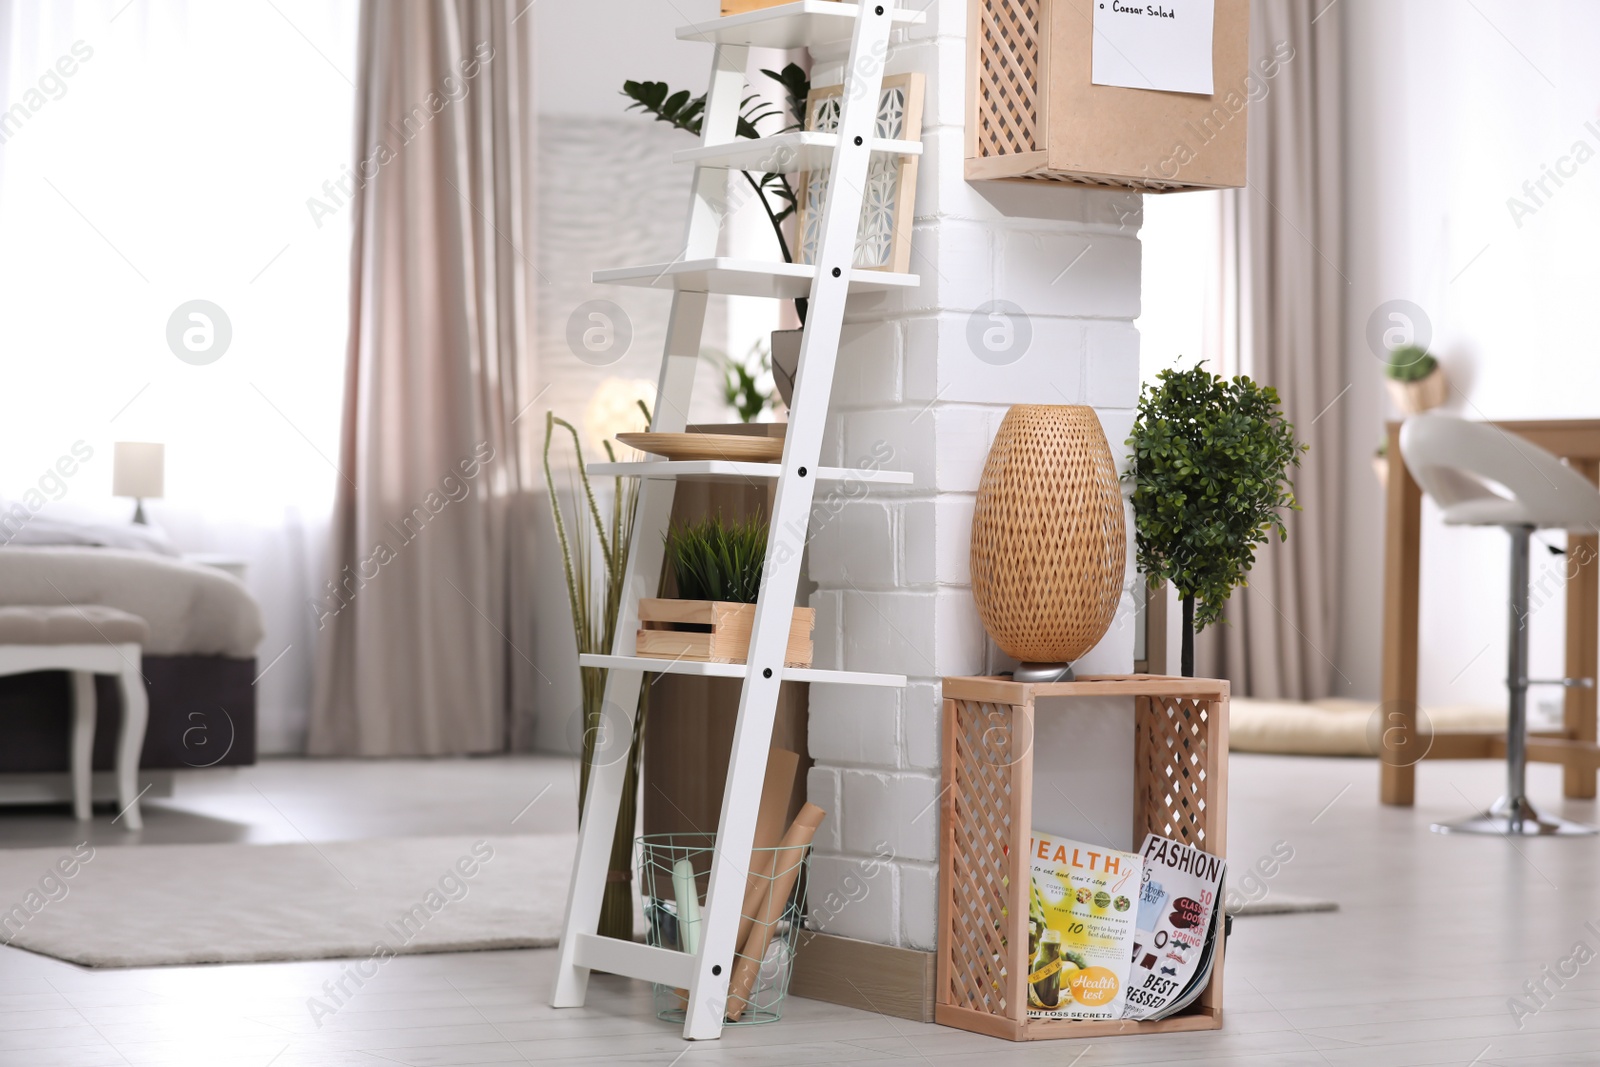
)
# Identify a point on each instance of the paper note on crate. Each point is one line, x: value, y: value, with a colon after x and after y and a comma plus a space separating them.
x: 1176, y: 901
x: 1164, y: 46
x: 1080, y: 928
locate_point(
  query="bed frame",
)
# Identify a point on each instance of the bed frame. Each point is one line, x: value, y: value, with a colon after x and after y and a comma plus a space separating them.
x: 202, y: 714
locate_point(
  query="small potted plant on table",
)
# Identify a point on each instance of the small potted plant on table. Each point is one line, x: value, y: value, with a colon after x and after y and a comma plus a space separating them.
x: 1416, y: 381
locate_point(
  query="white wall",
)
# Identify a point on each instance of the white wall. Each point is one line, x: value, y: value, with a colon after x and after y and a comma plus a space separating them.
x: 894, y: 591
x: 1452, y: 108
x: 586, y: 48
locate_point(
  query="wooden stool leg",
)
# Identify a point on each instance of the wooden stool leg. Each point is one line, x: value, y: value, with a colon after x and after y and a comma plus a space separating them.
x: 83, y: 718
x: 1583, y: 649
x: 130, y: 742
x: 1402, y: 567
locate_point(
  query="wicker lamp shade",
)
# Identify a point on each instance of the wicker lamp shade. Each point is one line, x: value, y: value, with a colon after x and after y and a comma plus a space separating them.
x: 1049, y: 543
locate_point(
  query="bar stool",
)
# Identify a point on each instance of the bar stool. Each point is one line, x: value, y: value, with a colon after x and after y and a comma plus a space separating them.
x: 1460, y: 464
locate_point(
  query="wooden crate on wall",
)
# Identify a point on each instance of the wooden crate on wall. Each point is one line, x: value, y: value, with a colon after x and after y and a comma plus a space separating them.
x: 1034, y: 115
x: 1180, y: 790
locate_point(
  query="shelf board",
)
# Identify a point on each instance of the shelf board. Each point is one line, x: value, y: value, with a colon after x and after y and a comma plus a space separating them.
x: 785, y: 153
x: 745, y: 277
x: 728, y: 470
x: 701, y: 669
x: 808, y: 24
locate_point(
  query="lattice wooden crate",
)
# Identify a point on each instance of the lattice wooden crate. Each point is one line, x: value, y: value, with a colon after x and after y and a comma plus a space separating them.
x: 1179, y: 790
x: 1034, y: 115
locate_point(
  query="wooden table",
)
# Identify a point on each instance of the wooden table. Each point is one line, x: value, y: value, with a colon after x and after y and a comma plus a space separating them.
x: 1574, y: 746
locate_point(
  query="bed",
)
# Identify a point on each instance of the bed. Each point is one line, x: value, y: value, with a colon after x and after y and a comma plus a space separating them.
x: 199, y: 662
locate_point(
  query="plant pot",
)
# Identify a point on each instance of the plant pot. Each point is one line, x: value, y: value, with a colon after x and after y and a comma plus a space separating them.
x: 1049, y: 542
x: 713, y: 631
x: 1413, y: 398
x: 785, y: 362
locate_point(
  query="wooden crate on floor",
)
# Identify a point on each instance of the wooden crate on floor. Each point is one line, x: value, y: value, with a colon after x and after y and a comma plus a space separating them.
x: 1180, y: 783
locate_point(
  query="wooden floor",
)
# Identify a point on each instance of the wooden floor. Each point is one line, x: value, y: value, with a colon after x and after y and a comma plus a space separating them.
x: 1434, y: 937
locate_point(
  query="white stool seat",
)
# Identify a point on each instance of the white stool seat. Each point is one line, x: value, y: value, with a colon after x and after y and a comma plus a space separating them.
x: 1460, y: 463
x: 86, y: 640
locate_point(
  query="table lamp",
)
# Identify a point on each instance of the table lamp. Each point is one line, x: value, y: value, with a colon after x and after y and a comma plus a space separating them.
x: 137, y: 471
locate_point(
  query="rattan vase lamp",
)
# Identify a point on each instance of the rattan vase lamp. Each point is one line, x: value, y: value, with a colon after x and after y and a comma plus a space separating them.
x: 1049, y: 541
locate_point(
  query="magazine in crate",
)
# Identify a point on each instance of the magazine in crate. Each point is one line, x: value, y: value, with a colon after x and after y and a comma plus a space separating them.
x: 1114, y: 934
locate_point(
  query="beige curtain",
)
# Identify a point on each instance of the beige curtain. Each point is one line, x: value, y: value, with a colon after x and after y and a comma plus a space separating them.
x: 1282, y: 293
x: 420, y: 627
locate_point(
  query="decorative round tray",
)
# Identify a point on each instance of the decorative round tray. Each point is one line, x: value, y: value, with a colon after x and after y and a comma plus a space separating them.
x: 683, y: 446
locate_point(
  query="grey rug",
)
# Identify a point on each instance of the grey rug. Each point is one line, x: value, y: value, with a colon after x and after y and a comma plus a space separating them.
x: 1283, y: 904
x: 149, y: 905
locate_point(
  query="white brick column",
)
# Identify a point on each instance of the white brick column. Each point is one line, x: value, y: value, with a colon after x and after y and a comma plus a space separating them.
x: 912, y: 393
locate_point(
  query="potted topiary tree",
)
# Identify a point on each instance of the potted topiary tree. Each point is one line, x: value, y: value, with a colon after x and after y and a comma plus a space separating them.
x: 1210, y: 472
x: 1416, y: 381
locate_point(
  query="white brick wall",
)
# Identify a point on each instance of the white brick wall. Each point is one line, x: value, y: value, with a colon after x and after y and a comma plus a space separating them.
x: 893, y: 586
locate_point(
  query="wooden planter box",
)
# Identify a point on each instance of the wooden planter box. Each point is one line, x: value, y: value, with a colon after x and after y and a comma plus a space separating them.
x: 1180, y: 791
x: 1413, y: 398
x: 1033, y: 114
x: 713, y: 631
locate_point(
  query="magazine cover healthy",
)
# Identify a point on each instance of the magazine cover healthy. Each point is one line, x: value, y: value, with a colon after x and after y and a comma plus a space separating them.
x: 1175, y: 929
x: 1081, y: 914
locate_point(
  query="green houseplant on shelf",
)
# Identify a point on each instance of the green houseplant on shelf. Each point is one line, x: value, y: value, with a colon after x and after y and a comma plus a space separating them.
x: 1210, y: 468
x: 747, y: 384
x: 717, y: 567
x: 778, y: 198
x: 594, y: 555
x: 717, y: 560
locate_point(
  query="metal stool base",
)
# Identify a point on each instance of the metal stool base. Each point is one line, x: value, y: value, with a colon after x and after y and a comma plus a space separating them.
x: 1519, y: 819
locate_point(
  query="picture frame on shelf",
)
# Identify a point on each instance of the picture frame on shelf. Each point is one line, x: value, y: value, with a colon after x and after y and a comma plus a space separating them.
x: 889, y: 203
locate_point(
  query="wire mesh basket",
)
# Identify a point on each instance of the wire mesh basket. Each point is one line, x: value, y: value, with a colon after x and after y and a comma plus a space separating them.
x: 674, y: 871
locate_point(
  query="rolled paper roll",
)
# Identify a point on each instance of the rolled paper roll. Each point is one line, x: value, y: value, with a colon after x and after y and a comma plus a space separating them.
x: 782, y: 766
x: 688, y: 901
x: 785, y: 868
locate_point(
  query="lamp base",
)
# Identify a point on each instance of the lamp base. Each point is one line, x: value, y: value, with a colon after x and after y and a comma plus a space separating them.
x: 1042, y: 672
x: 138, y: 513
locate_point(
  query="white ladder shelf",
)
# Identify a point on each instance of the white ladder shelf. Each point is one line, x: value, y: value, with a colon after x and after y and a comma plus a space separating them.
x: 695, y: 274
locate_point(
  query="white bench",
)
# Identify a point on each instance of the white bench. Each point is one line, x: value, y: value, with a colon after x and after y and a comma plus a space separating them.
x: 86, y: 640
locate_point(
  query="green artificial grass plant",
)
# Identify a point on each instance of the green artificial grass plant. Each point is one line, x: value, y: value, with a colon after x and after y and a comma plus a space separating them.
x: 717, y: 560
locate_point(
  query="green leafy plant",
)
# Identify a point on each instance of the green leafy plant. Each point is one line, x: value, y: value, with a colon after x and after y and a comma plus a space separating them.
x: 717, y: 560
x: 746, y: 385
x: 1210, y: 472
x: 685, y: 112
x: 595, y: 585
x: 1410, y: 363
